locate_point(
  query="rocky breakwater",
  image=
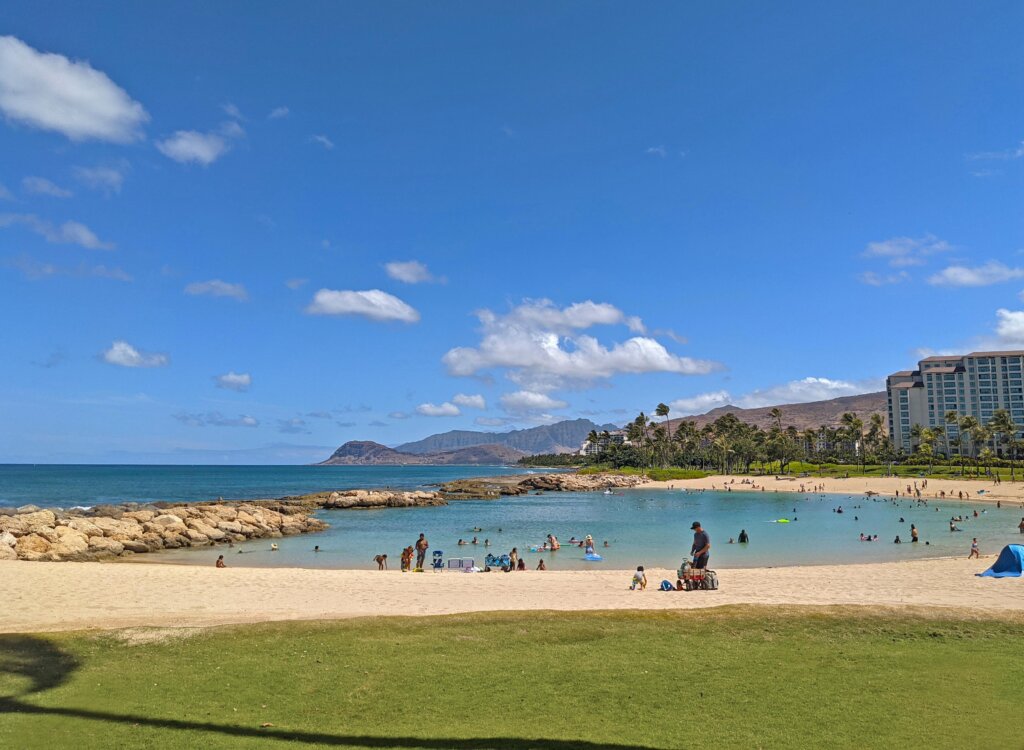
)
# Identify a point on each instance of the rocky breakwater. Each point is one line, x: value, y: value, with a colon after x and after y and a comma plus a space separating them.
x: 370, y: 499
x: 115, y: 531
x: 580, y: 482
x: 492, y: 488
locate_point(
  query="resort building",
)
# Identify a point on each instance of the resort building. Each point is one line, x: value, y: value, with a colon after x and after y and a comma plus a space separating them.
x: 604, y: 440
x: 973, y: 384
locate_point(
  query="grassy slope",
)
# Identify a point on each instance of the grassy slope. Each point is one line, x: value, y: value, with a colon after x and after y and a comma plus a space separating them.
x: 604, y: 681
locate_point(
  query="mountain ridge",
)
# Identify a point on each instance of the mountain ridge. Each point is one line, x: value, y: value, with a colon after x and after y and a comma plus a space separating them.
x: 562, y: 437
x: 802, y: 416
x: 369, y: 453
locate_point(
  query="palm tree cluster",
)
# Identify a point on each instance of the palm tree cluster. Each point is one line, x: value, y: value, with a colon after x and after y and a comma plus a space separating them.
x: 729, y: 445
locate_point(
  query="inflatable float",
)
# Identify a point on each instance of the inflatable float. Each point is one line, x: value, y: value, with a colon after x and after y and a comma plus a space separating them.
x: 593, y: 557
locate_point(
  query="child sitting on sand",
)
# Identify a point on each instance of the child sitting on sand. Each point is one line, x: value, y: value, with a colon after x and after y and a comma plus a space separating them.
x: 639, y: 579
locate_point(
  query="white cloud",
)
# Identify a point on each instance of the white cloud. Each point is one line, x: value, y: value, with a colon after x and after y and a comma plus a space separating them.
x: 658, y: 151
x: 323, y: 140
x: 123, y: 354
x: 1010, y: 326
x: 192, y: 146
x: 807, y: 389
x: 103, y: 178
x: 992, y: 272
x: 42, y: 186
x: 37, y: 270
x: 5, y: 194
x: 234, y: 381
x: 293, y: 426
x: 50, y: 92
x: 1012, y: 153
x: 232, y: 129
x: 278, y: 113
x: 232, y: 111
x: 877, y: 279
x: 471, y: 401
x: 399, y: 415
x: 793, y: 392
x: 216, y: 419
x: 701, y: 403
x: 217, y: 288
x: 68, y: 233
x: 906, y: 251
x: 295, y: 283
x: 410, y: 272
x: 543, y: 349
x: 529, y: 402
x: 446, y: 409
x: 372, y: 303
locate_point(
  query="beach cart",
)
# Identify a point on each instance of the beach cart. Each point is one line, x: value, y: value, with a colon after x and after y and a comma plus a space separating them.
x: 692, y: 579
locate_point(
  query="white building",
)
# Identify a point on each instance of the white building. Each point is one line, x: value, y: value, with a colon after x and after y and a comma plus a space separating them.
x: 974, y: 384
x: 603, y: 442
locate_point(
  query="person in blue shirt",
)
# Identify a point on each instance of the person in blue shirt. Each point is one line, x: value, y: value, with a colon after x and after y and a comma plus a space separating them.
x: 701, y: 548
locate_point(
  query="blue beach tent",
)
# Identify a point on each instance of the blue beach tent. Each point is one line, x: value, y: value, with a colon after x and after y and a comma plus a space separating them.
x: 1010, y: 563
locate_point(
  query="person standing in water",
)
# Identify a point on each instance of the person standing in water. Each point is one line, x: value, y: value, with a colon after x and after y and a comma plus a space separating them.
x: 913, y: 533
x: 744, y: 538
x: 422, y: 545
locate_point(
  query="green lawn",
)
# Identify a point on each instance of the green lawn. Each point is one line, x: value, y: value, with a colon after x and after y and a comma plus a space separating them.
x: 742, y: 678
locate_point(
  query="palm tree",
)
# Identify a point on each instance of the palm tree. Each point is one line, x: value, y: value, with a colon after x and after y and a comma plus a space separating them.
x: 967, y: 426
x: 980, y: 435
x: 810, y: 438
x: 592, y: 437
x: 662, y: 410
x: 854, y: 428
x: 951, y: 418
x: 1005, y: 431
x: 776, y: 417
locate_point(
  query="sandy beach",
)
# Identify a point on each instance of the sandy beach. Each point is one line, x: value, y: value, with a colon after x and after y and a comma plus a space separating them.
x: 78, y: 596
x: 973, y: 489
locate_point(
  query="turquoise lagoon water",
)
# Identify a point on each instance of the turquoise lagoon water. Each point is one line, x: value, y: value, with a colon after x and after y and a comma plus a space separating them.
x: 643, y: 527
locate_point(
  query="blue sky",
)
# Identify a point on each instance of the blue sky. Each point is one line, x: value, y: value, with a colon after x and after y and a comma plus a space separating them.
x: 249, y: 233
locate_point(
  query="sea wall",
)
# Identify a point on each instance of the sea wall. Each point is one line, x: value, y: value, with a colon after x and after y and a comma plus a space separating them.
x: 115, y: 531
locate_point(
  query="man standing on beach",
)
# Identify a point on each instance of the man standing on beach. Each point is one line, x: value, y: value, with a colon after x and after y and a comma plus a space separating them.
x: 701, y: 548
x: 422, y: 545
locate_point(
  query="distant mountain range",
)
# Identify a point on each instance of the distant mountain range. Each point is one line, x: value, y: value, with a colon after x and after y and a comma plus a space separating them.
x: 366, y: 452
x: 801, y: 416
x: 561, y: 437
x: 470, y: 447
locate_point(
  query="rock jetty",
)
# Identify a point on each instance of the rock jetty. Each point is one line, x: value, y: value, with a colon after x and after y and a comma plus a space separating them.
x: 115, y: 531
x: 492, y: 488
x: 110, y: 531
x: 370, y: 499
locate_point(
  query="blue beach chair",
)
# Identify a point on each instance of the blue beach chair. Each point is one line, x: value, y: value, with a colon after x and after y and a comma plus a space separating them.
x: 437, y: 563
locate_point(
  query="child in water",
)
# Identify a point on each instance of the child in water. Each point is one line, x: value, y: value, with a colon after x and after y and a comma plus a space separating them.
x: 639, y: 579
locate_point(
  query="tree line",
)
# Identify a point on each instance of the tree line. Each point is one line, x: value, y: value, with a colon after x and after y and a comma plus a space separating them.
x: 729, y: 445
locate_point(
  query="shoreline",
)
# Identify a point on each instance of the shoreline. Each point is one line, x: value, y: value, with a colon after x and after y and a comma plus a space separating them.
x: 84, y: 596
x: 1005, y: 492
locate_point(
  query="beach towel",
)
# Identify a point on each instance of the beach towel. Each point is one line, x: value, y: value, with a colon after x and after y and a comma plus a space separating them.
x: 1009, y: 564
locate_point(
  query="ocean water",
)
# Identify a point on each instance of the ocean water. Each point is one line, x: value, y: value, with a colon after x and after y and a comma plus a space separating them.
x: 48, y: 485
x: 642, y: 527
